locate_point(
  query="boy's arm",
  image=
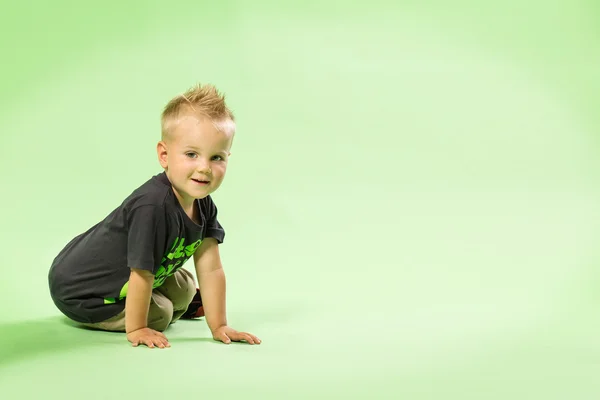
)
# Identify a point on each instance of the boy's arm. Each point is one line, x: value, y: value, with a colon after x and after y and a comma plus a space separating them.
x: 137, y: 302
x: 211, y: 279
x: 137, y: 305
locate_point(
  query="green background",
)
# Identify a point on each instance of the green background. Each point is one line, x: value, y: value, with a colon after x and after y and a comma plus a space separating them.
x: 411, y: 205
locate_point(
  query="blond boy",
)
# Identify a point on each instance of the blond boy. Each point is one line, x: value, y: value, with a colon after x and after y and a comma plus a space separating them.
x: 124, y: 273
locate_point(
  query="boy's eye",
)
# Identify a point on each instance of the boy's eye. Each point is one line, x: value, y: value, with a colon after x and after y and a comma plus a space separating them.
x: 218, y: 158
x: 191, y: 155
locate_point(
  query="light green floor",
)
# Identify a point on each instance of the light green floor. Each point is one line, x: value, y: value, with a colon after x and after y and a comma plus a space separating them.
x: 308, y: 356
x: 411, y: 206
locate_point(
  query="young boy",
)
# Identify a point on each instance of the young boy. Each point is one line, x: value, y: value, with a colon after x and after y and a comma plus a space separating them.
x: 124, y: 274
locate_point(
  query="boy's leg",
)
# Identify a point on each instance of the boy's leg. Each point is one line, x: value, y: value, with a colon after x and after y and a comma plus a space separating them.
x: 113, y: 324
x: 180, y: 289
x: 160, y: 315
x: 168, y: 303
x: 195, y: 309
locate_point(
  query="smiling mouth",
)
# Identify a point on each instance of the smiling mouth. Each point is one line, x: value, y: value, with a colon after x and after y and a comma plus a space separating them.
x: 201, y: 182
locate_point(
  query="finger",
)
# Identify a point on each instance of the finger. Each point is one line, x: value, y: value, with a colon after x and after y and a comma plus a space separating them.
x: 251, y: 339
x: 247, y: 338
x: 160, y: 334
x: 256, y: 339
x: 135, y: 344
x: 162, y: 338
x: 224, y: 338
x: 148, y: 343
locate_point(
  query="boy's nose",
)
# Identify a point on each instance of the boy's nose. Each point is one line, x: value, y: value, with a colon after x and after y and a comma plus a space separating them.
x: 204, y: 167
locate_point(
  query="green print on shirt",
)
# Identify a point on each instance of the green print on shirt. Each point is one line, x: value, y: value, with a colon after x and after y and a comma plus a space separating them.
x: 177, y: 256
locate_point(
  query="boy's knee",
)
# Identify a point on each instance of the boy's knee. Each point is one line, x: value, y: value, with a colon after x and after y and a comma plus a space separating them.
x: 186, y: 289
x: 180, y: 289
x: 159, y: 318
x: 186, y: 296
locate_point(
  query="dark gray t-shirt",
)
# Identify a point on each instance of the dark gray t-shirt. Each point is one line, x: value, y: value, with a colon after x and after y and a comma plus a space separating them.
x: 149, y: 230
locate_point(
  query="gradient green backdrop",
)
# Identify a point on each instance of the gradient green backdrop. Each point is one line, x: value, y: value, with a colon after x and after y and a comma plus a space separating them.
x: 411, y: 205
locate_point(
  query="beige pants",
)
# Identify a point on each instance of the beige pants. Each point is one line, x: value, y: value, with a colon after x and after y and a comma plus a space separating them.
x: 167, y: 305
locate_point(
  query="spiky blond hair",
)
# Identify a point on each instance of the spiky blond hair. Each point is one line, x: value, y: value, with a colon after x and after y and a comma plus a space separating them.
x: 200, y: 100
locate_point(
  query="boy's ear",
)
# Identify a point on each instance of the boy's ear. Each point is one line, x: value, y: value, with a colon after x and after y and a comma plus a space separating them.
x: 161, y: 152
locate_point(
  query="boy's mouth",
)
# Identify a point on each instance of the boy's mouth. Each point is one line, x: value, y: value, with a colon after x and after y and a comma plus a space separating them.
x: 201, y: 182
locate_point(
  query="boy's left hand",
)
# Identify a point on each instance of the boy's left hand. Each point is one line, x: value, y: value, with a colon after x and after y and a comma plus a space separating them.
x: 226, y: 335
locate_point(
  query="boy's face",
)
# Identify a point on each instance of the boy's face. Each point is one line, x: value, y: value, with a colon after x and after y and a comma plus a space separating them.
x: 194, y: 157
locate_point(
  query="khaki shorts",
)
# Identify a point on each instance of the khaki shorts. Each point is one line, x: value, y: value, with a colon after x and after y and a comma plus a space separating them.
x: 168, y: 303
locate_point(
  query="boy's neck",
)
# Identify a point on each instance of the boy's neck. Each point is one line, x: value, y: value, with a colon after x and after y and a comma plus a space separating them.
x: 192, y: 211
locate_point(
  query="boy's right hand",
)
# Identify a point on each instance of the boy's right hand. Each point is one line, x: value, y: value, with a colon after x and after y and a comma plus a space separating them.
x: 149, y: 337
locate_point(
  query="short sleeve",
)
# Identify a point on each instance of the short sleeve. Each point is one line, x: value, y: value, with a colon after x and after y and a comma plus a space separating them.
x: 146, y: 237
x: 213, y: 227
